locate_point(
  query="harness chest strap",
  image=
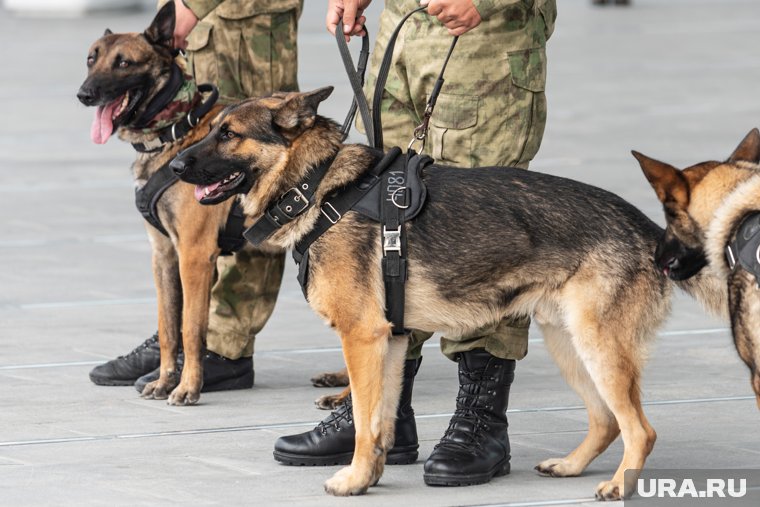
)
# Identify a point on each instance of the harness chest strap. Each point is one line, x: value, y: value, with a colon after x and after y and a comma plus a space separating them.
x: 744, y: 249
x: 146, y: 199
x: 393, y: 170
x: 292, y: 204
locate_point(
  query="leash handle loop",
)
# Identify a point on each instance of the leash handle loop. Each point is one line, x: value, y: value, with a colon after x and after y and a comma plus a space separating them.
x: 356, y: 78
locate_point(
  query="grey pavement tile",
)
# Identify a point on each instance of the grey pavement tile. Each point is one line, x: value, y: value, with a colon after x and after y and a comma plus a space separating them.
x: 676, y: 79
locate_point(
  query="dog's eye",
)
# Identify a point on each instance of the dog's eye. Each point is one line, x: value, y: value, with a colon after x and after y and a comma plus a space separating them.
x: 90, y: 61
x: 123, y: 64
x: 228, y: 134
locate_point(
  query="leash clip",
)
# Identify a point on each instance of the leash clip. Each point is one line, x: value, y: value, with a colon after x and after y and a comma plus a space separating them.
x: 391, y: 240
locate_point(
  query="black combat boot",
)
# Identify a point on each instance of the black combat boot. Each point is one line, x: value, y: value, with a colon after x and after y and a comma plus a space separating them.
x: 332, y: 441
x: 219, y: 373
x: 124, y: 370
x: 475, y: 447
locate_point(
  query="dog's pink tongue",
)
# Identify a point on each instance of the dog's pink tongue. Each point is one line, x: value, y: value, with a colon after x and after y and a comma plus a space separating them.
x: 102, y: 124
x: 200, y: 190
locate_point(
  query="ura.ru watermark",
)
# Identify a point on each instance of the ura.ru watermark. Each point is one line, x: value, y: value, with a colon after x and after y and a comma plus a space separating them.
x: 672, y: 488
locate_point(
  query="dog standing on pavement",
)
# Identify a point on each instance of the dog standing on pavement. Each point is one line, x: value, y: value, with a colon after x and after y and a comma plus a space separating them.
x: 127, y: 74
x: 488, y: 243
x: 713, y: 218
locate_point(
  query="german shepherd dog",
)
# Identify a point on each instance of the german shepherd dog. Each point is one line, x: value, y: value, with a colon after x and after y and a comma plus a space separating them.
x: 489, y: 243
x: 705, y: 205
x: 125, y: 72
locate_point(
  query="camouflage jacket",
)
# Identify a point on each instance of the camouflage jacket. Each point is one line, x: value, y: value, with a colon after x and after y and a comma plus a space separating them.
x: 201, y: 8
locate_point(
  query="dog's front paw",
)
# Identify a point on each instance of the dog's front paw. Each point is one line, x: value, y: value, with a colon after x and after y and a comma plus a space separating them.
x: 347, y: 482
x: 609, y: 491
x: 336, y: 379
x: 185, y: 395
x: 157, y: 390
x: 558, y: 467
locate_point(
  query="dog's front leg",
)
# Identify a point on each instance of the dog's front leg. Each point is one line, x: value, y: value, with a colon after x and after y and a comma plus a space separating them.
x: 375, y: 365
x: 169, y: 293
x: 196, y: 268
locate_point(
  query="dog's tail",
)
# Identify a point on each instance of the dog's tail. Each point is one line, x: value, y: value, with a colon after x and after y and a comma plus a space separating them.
x: 710, y: 290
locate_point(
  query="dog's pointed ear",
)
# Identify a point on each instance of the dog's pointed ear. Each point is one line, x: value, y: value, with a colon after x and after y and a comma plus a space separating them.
x: 161, y: 30
x: 300, y: 110
x: 107, y: 32
x: 668, y: 182
x: 749, y: 149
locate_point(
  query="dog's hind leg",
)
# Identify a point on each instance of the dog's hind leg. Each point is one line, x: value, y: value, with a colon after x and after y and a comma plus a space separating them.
x: 612, y: 355
x: 603, y: 428
x: 375, y: 363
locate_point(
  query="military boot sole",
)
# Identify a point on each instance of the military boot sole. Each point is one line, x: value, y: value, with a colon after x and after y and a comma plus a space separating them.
x: 403, y: 456
x: 502, y: 468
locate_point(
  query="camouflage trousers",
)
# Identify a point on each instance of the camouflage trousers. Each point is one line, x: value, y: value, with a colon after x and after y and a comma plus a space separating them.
x: 492, y: 111
x: 245, y: 55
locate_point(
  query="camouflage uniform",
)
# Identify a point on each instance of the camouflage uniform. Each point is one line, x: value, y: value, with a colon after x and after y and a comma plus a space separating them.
x: 492, y: 110
x: 246, y: 48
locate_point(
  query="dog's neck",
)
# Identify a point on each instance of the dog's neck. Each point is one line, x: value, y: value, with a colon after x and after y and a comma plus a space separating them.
x: 320, y: 143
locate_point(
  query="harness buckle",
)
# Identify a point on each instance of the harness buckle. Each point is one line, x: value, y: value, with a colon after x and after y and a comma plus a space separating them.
x: 299, y: 202
x: 329, y: 206
x: 392, y: 240
x: 174, y: 133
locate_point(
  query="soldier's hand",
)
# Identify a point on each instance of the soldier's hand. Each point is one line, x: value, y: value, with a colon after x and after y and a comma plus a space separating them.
x: 349, y: 14
x: 458, y: 16
x: 184, y: 23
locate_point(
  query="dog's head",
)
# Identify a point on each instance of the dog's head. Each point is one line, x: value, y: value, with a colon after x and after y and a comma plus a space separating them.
x: 690, y: 198
x: 249, y: 147
x: 125, y: 71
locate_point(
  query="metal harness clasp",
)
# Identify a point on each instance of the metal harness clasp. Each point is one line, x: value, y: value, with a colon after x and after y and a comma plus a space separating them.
x: 392, y: 240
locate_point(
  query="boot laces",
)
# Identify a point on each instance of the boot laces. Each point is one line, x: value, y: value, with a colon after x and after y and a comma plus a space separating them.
x: 344, y: 412
x: 146, y: 344
x: 475, y: 388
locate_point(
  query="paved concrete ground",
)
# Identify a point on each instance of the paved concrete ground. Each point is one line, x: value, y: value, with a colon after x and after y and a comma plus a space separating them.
x: 677, y: 79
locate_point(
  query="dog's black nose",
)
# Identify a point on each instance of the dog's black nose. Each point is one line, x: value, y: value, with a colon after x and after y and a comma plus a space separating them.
x: 86, y: 96
x: 181, y: 164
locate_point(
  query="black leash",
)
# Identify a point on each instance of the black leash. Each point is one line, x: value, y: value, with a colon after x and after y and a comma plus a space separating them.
x: 356, y: 78
x: 395, y: 195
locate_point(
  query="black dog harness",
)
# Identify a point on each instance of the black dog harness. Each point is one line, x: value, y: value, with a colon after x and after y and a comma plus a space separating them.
x: 399, y: 198
x: 230, y: 238
x: 744, y: 249
x: 391, y: 193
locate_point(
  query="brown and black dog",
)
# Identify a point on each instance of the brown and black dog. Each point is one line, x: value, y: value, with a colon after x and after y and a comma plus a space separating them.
x: 705, y: 207
x: 489, y: 243
x: 125, y: 73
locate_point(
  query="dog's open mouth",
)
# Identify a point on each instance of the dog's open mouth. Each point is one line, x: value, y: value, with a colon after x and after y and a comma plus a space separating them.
x: 109, y: 116
x: 221, y: 190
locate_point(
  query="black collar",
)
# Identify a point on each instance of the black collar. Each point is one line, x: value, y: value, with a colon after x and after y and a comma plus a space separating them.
x: 176, y: 131
x: 744, y: 247
x: 162, y: 98
x: 292, y: 204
